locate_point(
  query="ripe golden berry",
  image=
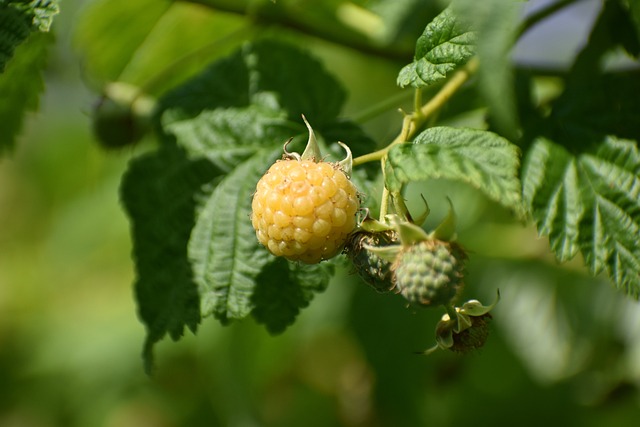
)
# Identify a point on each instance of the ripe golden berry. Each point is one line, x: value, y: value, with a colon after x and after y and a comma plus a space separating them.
x: 304, y: 210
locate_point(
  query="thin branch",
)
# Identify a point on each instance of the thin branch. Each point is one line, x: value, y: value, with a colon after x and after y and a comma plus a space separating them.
x: 416, y: 120
x: 273, y: 15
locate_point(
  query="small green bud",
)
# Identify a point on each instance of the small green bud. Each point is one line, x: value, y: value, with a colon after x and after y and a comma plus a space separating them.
x: 121, y: 116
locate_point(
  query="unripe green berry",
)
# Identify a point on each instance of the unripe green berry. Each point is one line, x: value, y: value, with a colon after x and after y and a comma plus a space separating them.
x: 374, y: 270
x: 430, y: 273
x: 122, y: 116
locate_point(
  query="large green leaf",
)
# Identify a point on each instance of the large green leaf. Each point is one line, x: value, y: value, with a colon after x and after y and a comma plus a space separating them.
x: 159, y: 192
x: 18, y: 19
x: 21, y: 85
x: 279, y: 81
x: 14, y: 29
x: 589, y: 202
x: 234, y: 118
x: 581, y: 175
x: 445, y: 44
x: 479, y: 158
x: 226, y: 257
x: 23, y: 56
x: 277, y: 302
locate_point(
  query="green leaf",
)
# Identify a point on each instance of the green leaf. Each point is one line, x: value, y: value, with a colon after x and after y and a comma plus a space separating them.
x: 40, y: 12
x: 589, y: 202
x: 231, y: 120
x: 159, y: 192
x: 480, y: 158
x: 581, y: 170
x: 223, y: 249
x: 228, y: 136
x: 18, y: 19
x: 445, y: 45
x: 278, y: 79
x: 277, y: 301
x: 21, y: 85
x: 14, y: 29
x: 23, y: 48
x: 237, y: 114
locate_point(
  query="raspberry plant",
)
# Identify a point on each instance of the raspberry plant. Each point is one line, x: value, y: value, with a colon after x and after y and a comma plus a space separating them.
x: 567, y: 161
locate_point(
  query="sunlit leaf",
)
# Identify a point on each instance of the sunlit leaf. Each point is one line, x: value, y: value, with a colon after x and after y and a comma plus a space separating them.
x: 445, y: 44
x: 21, y: 85
x: 479, y: 158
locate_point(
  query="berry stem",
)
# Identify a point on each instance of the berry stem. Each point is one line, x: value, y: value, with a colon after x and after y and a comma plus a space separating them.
x: 417, y: 100
x: 448, y: 90
x: 453, y: 314
x: 384, y: 204
x: 413, y: 122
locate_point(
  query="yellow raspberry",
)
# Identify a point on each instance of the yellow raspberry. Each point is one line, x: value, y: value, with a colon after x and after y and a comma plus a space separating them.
x: 304, y: 210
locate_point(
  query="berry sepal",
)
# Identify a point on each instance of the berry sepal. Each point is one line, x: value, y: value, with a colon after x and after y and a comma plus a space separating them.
x: 465, y: 328
x: 312, y: 150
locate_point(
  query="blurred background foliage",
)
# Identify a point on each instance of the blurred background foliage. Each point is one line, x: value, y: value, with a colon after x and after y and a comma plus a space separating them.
x: 564, y: 347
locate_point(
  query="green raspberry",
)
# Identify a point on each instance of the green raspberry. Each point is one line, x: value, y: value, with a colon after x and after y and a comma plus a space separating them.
x: 304, y: 210
x: 374, y: 270
x: 430, y: 273
x: 121, y: 116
